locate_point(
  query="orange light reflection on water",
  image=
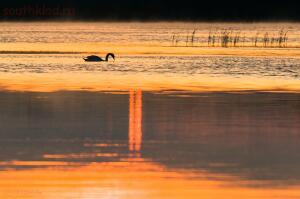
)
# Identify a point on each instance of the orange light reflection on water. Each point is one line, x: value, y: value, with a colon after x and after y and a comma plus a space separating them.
x: 135, y: 120
x: 126, y: 179
x: 51, y: 82
x: 133, y: 177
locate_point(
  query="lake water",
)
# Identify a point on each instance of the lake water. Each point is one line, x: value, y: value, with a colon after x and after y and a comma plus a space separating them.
x: 158, y: 122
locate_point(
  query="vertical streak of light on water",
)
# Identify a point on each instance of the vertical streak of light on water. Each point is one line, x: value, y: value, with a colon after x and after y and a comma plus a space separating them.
x: 135, y: 120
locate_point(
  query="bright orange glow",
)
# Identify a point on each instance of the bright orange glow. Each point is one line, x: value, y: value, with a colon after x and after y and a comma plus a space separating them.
x: 74, y: 156
x: 157, y: 82
x: 142, y: 49
x: 135, y: 120
x: 127, y: 180
x: 34, y: 163
x: 125, y: 169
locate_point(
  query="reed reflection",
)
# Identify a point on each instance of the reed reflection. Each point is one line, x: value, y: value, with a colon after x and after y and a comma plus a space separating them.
x: 135, y: 120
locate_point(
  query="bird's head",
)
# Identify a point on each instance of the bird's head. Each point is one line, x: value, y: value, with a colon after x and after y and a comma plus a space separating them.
x: 110, y: 54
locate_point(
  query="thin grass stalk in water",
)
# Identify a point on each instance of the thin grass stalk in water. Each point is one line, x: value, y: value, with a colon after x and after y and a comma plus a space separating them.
x: 256, y: 39
x: 187, y: 40
x: 193, y: 37
x: 266, y: 39
x: 173, y: 39
x: 285, y: 38
x: 209, y: 39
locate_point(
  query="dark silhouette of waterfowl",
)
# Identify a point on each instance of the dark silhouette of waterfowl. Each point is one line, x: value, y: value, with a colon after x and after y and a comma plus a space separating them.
x: 94, y: 58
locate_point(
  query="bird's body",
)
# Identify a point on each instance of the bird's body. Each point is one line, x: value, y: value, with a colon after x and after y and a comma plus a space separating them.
x: 94, y: 58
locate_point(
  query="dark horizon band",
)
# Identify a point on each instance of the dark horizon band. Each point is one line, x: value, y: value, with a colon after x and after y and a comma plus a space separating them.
x: 150, y: 10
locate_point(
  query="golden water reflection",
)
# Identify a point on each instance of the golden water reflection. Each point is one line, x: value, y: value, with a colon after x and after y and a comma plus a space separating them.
x: 107, y: 81
x: 135, y: 120
x: 133, y: 171
x: 123, y: 180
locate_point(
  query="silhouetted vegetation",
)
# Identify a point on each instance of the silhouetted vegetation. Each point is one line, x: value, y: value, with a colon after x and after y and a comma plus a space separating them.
x: 232, y: 38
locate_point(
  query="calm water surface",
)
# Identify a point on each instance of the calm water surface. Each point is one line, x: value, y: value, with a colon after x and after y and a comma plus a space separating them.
x: 149, y: 145
x: 144, y: 126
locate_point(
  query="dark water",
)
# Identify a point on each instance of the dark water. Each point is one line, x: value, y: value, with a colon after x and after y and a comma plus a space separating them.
x: 245, y: 141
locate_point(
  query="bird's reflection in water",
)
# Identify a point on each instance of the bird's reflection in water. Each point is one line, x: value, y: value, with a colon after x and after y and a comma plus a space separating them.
x: 135, y: 121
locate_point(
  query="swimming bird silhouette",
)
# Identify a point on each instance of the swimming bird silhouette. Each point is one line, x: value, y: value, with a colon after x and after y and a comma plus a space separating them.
x: 94, y: 58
